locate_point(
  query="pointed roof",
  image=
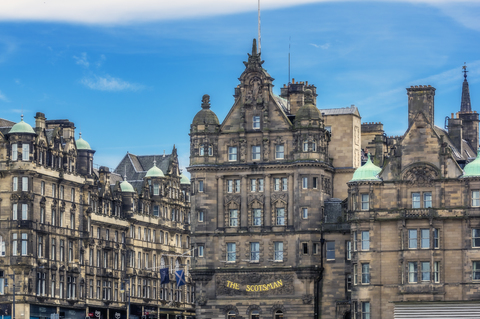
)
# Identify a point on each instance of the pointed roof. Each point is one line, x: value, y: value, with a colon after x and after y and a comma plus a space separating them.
x: 465, y: 105
x: 367, y: 172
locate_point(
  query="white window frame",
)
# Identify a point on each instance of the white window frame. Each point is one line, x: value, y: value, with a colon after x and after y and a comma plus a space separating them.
x: 280, y: 216
x: 365, y: 240
x: 424, y: 238
x: 232, y: 153
x: 233, y: 218
x: 330, y: 250
x: 304, y: 182
x: 304, y: 213
x: 231, y: 252
x: 416, y: 200
x: 256, y: 151
x: 255, y: 252
x: 256, y: 122
x: 278, y: 251
x: 15, y: 152
x: 365, y: 201
x: 279, y: 151
x: 15, y: 183
x: 476, y: 198
x: 412, y: 272
x: 412, y: 239
x: 25, y: 152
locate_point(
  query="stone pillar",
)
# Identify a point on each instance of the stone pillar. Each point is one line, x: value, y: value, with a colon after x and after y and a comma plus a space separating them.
x: 220, y: 213
x: 290, y: 199
x: 243, y: 206
x: 267, y: 213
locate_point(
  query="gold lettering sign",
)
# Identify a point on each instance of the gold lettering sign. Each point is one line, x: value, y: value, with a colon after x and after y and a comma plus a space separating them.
x: 255, y: 288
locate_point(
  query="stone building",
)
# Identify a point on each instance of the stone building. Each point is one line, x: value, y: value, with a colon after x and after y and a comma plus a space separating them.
x: 260, y: 181
x: 71, y: 236
x: 415, y: 222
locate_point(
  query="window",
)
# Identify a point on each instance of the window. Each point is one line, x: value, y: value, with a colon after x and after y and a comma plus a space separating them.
x: 201, y: 216
x: 232, y: 153
x: 436, y: 240
x: 42, y: 188
x: 156, y: 210
x: 62, y: 189
x: 330, y: 250
x: 365, y: 310
x: 40, y: 284
x: 53, y: 252
x: 436, y: 271
x: 425, y: 238
x: 62, y: 251
x: 72, y: 194
x: 200, y: 250
x: 412, y: 272
x: 366, y: 273
x: 24, y: 184
x: 230, y: 186
x: 476, y: 237
x: 200, y: 186
x: 278, y: 314
x: 14, y: 245
x: 314, y: 146
x: 355, y: 274
x: 257, y: 217
x: 256, y: 122
x: 71, y: 287
x: 284, y: 184
x: 210, y: 150
x: 412, y: 238
x: 365, y: 201
x: 231, y: 315
x: 15, y: 211
x: 201, y: 150
x: 305, y: 248
x: 304, y: 182
x: 14, y: 152
x: 355, y: 240
x: 231, y: 252
x: 255, y: 314
x: 276, y: 184
x: 278, y: 252
x: 54, y: 190
x: 15, y: 183
x: 349, y: 282
x: 349, y: 250
x: 260, y: 184
x: 415, y: 200
x: 425, y: 270
x: 304, y: 213
x: 40, y: 247
x: 305, y: 145
x: 316, y: 248
x: 156, y: 189
x: 233, y: 217
x: 315, y: 182
x: 427, y: 200
x: 476, y: 270
x: 24, y: 244
x: 279, y: 151
x: 237, y: 186
x: 25, y: 152
x: 255, y: 152
x: 475, y: 198
x: 253, y: 185
x: 365, y: 240
x: 280, y: 216
x: 254, y: 252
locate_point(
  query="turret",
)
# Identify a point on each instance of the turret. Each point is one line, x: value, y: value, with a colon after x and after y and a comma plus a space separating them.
x: 85, y: 156
x: 469, y: 119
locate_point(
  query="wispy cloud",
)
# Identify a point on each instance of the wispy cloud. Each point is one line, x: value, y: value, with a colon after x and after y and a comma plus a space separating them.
x: 125, y: 12
x: 109, y: 83
x: 3, y: 97
x: 321, y: 46
x: 100, y: 61
x: 82, y: 60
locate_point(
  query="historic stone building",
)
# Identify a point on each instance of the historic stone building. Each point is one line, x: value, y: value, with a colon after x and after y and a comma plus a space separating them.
x: 415, y: 222
x: 76, y: 241
x: 260, y: 180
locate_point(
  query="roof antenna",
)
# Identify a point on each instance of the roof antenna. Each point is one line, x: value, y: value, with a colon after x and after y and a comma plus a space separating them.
x: 259, y: 35
x: 289, y: 44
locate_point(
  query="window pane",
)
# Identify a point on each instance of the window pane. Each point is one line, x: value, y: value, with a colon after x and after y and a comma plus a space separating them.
x: 427, y: 200
x: 412, y: 238
x: 415, y: 200
x: 425, y: 233
x: 365, y: 240
x: 330, y: 250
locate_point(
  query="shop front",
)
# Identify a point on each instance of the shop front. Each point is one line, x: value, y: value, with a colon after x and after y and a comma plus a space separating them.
x: 72, y: 313
x: 42, y: 312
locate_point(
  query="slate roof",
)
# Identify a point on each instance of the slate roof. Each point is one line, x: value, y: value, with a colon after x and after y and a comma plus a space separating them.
x: 136, y: 166
x: 341, y: 111
x: 6, y: 123
x: 468, y: 152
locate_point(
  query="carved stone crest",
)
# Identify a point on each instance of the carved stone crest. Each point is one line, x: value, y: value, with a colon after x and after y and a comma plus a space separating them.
x: 420, y: 175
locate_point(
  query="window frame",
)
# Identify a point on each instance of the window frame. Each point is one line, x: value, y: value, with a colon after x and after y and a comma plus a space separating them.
x: 278, y: 251
x: 256, y: 152
x: 231, y: 252
x: 233, y: 218
x: 366, y: 273
x: 256, y: 122
x: 365, y: 202
x: 330, y: 250
x: 475, y: 237
x: 365, y: 240
x: 475, y: 198
x: 232, y: 154
x: 279, y: 151
x: 254, y: 252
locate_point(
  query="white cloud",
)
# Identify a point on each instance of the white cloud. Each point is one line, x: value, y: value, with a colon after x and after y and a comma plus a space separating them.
x: 109, y: 83
x: 100, y: 60
x: 126, y: 11
x: 82, y: 60
x: 3, y: 97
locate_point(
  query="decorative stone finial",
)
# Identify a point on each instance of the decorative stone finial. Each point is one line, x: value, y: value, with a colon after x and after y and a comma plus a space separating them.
x: 308, y: 96
x: 465, y: 70
x: 206, y: 101
x: 254, y: 47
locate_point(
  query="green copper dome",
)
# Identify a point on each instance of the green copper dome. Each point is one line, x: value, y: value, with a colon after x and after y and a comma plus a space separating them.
x: 82, y: 144
x: 184, y: 179
x: 367, y: 172
x: 154, y: 171
x: 21, y: 127
x: 126, y: 187
x: 472, y: 169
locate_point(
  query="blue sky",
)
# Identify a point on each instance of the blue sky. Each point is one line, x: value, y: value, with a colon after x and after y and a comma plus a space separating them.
x: 131, y: 75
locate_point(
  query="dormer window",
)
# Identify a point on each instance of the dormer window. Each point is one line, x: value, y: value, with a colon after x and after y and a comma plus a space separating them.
x: 256, y: 122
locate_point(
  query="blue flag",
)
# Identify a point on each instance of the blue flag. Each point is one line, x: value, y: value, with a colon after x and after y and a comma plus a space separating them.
x: 180, y: 276
x: 164, y: 277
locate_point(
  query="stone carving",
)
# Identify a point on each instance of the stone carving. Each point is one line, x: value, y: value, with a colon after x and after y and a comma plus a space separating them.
x: 420, y: 175
x: 253, y: 307
x: 232, y: 198
x: 279, y: 196
x: 277, y: 306
x: 307, y: 299
x: 229, y: 308
x: 266, y: 149
x: 327, y: 186
x: 255, y: 197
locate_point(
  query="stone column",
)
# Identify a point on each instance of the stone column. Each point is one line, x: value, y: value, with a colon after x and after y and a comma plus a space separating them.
x: 267, y: 214
x: 220, y: 214
x: 243, y: 206
x: 290, y: 199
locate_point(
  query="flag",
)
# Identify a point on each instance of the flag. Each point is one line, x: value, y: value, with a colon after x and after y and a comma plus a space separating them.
x: 164, y: 278
x: 180, y: 276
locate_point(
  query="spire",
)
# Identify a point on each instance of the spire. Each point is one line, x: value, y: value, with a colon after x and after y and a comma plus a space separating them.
x: 254, y: 50
x: 465, y: 106
x: 254, y: 61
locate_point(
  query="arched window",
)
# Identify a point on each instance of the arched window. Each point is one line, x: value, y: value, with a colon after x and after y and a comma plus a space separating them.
x: 278, y: 314
x: 231, y: 314
x: 255, y: 314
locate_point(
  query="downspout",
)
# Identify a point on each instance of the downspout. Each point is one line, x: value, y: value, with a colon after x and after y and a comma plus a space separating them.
x: 317, y: 286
